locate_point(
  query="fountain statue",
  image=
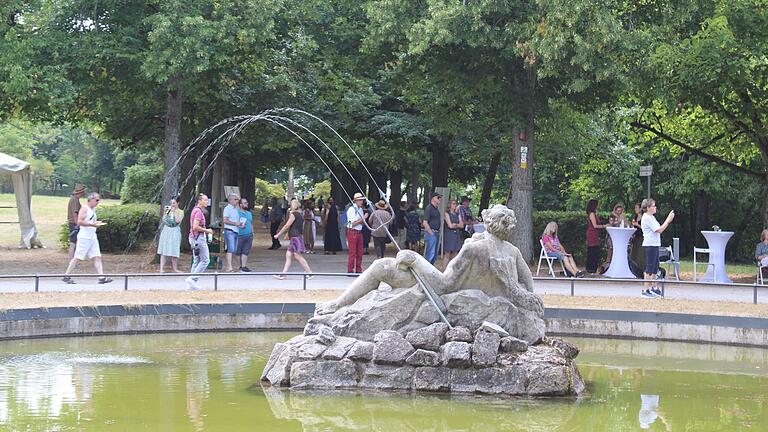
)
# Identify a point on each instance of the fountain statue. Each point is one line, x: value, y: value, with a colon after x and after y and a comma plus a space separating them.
x: 477, y: 327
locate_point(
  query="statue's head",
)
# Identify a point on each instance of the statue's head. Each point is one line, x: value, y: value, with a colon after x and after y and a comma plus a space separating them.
x: 500, y: 221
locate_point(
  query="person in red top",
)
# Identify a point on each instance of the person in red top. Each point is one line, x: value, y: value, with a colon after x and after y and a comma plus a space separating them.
x: 198, y: 240
x: 593, y: 236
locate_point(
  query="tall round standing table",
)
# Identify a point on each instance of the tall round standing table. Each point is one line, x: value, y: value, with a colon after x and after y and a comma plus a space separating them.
x: 619, y: 263
x: 717, y: 241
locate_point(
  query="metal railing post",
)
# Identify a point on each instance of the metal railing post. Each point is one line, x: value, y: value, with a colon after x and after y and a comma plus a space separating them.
x: 754, y: 294
x: 572, y: 286
x: 662, y: 288
x: 305, y: 281
x: 216, y: 281
x: 37, y: 282
x: 125, y: 285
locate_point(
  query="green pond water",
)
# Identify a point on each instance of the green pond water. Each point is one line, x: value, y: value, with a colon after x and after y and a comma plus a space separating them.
x: 196, y: 382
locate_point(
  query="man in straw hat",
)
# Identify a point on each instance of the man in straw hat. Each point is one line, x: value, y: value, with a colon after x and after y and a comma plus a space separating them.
x: 355, y: 220
x: 73, y: 209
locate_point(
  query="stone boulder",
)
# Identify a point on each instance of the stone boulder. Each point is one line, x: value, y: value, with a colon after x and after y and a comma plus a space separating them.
x: 456, y: 354
x: 339, y: 348
x: 459, y: 334
x: 429, y: 337
x: 511, y: 344
x: 361, y: 350
x: 485, y: 348
x: 406, y: 309
x: 391, y: 348
x: 423, y: 358
x: 433, y: 379
x: 323, y: 375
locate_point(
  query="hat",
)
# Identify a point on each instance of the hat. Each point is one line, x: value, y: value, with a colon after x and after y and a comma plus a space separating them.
x: 437, y: 194
x: 79, y: 187
x: 465, y: 198
x: 381, y: 204
x: 358, y: 196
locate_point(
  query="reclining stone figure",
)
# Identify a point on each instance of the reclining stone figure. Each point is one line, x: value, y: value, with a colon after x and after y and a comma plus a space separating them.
x: 488, y: 280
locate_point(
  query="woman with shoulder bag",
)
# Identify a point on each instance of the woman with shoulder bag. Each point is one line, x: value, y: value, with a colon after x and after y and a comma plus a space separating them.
x: 169, y: 244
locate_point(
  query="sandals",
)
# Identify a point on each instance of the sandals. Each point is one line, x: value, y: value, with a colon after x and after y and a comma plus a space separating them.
x: 104, y: 280
x: 280, y: 277
x: 68, y: 280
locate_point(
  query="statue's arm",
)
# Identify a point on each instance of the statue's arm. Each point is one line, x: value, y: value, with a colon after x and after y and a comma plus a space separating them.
x: 524, y: 276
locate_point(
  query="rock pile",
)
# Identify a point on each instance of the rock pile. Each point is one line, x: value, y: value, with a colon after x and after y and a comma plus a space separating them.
x: 432, y: 358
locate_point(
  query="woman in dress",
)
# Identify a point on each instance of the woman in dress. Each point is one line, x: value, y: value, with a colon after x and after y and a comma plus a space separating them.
x: 454, y: 223
x: 331, y: 238
x: 295, y: 230
x: 309, y: 220
x: 593, y: 236
x: 412, y: 228
x: 379, y: 221
x: 170, y: 237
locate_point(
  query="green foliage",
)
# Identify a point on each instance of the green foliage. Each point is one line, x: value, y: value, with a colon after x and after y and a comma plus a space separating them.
x: 322, y: 189
x: 142, y: 184
x: 265, y: 191
x: 127, y: 225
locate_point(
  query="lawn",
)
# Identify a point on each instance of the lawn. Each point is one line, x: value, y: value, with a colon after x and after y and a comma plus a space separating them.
x: 48, y: 212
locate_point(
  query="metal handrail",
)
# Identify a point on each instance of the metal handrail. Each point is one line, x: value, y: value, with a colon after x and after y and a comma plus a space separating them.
x: 572, y: 281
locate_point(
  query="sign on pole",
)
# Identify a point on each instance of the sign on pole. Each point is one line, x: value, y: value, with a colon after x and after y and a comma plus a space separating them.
x: 647, y: 171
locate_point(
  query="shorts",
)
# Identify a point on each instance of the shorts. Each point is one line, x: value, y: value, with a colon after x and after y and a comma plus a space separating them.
x: 230, y: 239
x: 244, y: 244
x: 557, y: 255
x: 87, y: 249
x: 651, y: 259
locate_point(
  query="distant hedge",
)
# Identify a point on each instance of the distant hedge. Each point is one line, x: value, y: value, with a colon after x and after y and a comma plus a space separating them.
x: 142, y: 184
x: 127, y: 225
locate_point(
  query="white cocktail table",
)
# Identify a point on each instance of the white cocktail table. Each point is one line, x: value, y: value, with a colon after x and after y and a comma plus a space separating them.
x: 619, y: 263
x: 717, y: 241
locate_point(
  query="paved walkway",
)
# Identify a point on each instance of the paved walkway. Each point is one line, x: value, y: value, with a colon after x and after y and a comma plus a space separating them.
x: 265, y: 260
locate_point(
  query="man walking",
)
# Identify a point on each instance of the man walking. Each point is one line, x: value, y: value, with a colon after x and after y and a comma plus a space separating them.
x: 245, y: 235
x: 231, y: 228
x: 198, y: 240
x: 275, y: 219
x: 432, y: 228
x: 87, y: 242
x: 73, y: 210
x: 355, y: 220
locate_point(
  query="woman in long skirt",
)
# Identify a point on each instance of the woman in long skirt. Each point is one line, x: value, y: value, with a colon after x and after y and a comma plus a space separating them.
x: 169, y: 244
x: 295, y: 228
x: 331, y: 238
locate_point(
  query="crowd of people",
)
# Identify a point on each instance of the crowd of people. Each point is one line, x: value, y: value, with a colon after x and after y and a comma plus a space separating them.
x: 644, y: 244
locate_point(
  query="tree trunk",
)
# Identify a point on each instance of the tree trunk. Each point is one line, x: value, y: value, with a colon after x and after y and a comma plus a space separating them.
x: 172, y: 145
x: 413, y: 192
x: 490, y: 178
x: 702, y: 214
x: 439, y: 165
x: 520, y: 196
x: 764, y: 207
x: 396, y: 187
x: 290, y: 191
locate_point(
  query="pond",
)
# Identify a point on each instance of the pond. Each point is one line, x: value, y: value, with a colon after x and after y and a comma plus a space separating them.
x: 208, y: 381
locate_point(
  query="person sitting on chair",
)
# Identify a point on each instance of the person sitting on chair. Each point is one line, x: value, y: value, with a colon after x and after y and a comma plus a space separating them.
x: 554, y: 249
x: 761, y: 250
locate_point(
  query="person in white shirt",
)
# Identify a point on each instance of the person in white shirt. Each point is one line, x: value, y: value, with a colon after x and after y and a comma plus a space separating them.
x: 651, y: 243
x: 355, y: 220
x: 232, y: 225
x: 87, y: 242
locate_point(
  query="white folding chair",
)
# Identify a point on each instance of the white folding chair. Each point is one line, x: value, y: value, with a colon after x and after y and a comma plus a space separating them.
x: 673, y: 260
x: 760, y: 268
x: 695, y: 262
x: 544, y: 257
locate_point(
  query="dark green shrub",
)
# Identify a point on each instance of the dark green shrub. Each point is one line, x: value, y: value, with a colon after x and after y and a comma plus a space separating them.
x: 142, y: 184
x: 127, y: 225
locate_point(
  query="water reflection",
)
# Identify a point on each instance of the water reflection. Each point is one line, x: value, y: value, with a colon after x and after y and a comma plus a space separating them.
x: 205, y: 382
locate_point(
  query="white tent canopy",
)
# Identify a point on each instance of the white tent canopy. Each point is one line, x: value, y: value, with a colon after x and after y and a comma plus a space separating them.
x: 22, y: 186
